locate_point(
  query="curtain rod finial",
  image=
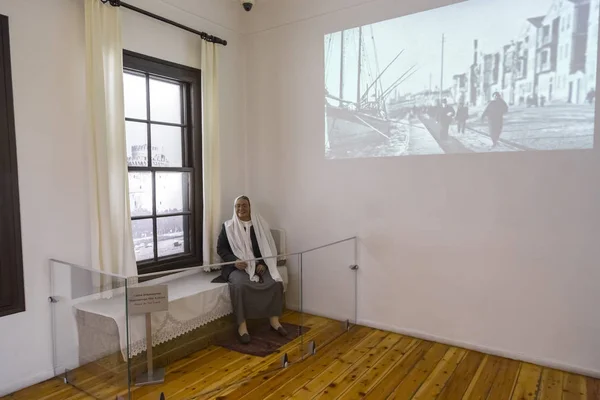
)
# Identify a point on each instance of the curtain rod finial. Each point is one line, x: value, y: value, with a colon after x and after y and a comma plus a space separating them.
x: 114, y: 3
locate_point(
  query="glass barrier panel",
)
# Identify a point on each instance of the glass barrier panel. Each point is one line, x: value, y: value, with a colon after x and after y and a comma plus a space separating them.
x: 196, y: 347
x: 189, y: 316
x: 294, y: 313
x: 253, y: 370
x: 89, y: 330
x: 328, y: 279
x: 101, y: 324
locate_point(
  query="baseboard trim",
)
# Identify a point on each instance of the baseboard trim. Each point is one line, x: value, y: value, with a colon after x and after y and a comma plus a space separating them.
x: 14, y: 386
x: 544, y: 362
x: 330, y: 315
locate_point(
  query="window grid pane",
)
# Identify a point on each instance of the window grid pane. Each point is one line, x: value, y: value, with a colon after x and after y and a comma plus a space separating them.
x: 154, y: 215
x: 165, y: 101
x: 137, y: 144
x: 161, y: 226
x: 140, y: 194
x: 134, y: 89
x: 166, y: 146
x: 171, y: 235
x: 172, y: 192
x: 143, y: 239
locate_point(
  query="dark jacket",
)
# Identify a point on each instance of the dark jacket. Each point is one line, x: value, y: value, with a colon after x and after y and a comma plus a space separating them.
x: 495, y: 110
x: 226, y: 254
x: 443, y: 117
x: 462, y: 114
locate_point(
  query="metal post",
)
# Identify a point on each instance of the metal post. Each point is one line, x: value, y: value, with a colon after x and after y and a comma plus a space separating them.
x: 312, y: 348
x: 53, y: 300
x: 356, y: 281
x: 149, y: 346
x: 153, y: 376
x: 360, y: 35
x: 301, y: 328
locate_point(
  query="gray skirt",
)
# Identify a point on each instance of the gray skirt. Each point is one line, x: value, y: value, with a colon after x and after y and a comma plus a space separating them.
x: 253, y: 300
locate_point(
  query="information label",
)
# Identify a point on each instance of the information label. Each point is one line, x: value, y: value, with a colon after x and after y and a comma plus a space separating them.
x: 148, y: 299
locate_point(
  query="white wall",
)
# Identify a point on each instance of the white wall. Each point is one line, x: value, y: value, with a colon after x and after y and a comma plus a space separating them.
x: 48, y: 60
x: 48, y: 64
x: 492, y: 251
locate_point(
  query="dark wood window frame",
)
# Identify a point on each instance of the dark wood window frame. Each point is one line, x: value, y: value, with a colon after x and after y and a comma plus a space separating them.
x: 192, y: 157
x: 12, y: 292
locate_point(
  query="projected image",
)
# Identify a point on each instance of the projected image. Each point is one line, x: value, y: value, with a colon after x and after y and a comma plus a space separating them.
x: 478, y: 76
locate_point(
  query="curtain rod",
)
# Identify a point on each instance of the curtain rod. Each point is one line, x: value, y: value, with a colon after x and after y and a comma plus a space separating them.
x: 203, y: 35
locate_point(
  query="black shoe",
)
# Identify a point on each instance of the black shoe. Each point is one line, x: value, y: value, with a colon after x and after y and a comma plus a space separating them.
x: 244, y: 339
x: 281, y: 330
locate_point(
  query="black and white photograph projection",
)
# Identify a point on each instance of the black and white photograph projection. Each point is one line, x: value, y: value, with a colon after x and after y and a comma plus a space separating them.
x: 478, y: 76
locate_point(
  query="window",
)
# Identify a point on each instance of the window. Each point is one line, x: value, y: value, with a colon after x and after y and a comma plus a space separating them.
x: 12, y: 297
x: 496, y: 71
x: 544, y: 64
x: 546, y: 33
x: 164, y: 155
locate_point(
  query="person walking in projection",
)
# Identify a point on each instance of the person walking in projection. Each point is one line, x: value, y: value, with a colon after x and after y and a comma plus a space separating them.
x: 494, y: 112
x: 462, y: 114
x: 446, y: 114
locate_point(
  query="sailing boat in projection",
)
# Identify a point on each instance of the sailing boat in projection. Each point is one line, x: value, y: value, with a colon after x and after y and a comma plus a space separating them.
x: 360, y: 120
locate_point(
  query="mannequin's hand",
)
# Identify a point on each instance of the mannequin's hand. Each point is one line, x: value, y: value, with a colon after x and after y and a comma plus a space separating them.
x: 241, y: 265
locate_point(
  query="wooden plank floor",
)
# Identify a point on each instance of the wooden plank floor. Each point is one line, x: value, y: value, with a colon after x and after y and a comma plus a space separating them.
x: 363, y: 363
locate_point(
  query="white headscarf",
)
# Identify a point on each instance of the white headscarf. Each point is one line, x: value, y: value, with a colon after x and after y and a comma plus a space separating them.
x: 241, y: 244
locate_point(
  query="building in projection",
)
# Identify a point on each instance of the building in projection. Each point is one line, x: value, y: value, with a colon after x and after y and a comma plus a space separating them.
x: 562, y: 49
x: 461, y: 87
x: 526, y: 58
x: 553, y: 59
x: 592, y: 47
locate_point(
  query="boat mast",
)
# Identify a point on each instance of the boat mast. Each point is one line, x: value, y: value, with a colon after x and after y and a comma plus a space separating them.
x: 377, y: 80
x: 342, y: 71
x: 360, y: 34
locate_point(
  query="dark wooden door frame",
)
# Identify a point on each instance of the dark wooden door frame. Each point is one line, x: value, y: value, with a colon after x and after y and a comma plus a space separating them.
x: 12, y: 296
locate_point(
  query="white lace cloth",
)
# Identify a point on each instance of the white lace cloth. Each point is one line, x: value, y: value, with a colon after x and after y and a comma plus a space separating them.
x: 193, y: 302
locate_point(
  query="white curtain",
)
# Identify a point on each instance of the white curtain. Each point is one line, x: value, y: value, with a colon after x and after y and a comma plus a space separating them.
x: 211, y: 149
x: 112, y: 243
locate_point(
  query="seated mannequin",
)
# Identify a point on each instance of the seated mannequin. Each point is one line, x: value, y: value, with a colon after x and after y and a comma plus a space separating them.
x: 256, y: 287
